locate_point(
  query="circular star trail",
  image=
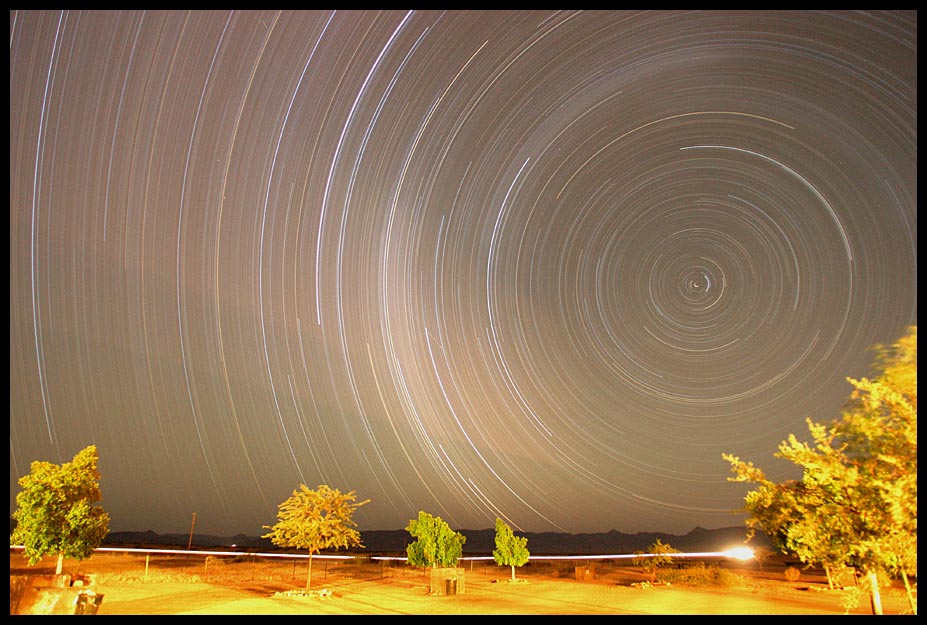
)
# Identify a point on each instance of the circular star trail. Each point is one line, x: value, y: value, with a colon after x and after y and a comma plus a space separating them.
x: 543, y: 266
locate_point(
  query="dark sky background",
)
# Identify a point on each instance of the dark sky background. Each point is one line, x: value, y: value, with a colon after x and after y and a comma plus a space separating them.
x: 546, y: 266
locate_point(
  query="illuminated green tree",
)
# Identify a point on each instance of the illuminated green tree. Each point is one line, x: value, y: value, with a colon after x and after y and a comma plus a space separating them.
x: 316, y: 520
x: 657, y: 555
x: 511, y: 550
x: 436, y: 544
x: 55, y: 512
x: 856, y: 502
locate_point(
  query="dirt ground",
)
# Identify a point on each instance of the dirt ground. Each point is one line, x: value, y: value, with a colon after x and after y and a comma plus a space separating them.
x: 133, y: 584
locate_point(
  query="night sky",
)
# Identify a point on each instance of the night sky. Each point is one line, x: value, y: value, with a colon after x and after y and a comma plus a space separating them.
x: 546, y: 266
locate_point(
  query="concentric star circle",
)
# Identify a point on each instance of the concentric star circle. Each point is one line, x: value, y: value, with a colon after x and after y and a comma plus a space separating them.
x: 545, y: 266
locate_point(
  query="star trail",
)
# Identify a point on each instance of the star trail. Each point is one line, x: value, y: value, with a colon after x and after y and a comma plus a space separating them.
x: 540, y: 265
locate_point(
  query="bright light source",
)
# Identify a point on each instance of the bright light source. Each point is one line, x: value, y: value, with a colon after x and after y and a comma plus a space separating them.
x: 740, y: 553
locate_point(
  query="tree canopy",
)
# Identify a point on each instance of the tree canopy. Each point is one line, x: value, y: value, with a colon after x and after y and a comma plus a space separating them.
x: 856, y: 502
x: 436, y: 544
x: 55, y: 512
x: 315, y: 520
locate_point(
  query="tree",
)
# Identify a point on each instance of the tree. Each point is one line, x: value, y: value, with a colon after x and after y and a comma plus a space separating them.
x: 55, y: 512
x: 316, y: 520
x: 511, y: 550
x: 657, y: 555
x: 788, y: 511
x: 761, y: 554
x: 856, y: 502
x: 436, y: 542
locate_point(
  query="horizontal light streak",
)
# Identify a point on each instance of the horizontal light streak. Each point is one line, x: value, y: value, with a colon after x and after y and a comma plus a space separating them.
x: 735, y: 554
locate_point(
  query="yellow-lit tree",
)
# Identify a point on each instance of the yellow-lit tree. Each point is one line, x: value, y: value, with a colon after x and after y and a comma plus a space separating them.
x: 316, y: 520
x: 856, y: 502
x: 511, y: 550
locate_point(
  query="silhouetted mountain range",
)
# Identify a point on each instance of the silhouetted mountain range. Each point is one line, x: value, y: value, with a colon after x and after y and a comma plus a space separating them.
x: 479, y: 542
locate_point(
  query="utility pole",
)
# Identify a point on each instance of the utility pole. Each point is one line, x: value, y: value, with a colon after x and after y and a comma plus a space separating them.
x: 192, y: 524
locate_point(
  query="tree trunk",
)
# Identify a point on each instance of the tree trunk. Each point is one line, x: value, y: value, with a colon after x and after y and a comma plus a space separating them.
x: 907, y: 586
x: 60, y: 564
x: 875, y: 599
x: 830, y: 577
x: 309, y: 574
x: 513, y: 572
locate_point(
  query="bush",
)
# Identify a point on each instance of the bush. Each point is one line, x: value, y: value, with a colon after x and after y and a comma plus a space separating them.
x: 700, y: 575
x: 243, y: 558
x: 154, y: 577
x: 849, y: 598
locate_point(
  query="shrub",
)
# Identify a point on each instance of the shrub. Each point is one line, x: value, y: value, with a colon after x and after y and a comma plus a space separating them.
x: 700, y: 575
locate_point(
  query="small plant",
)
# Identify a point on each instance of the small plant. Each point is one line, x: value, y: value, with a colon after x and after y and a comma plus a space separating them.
x: 849, y: 598
x: 658, y: 554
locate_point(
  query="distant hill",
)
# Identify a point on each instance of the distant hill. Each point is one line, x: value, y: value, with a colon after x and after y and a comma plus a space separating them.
x: 479, y: 542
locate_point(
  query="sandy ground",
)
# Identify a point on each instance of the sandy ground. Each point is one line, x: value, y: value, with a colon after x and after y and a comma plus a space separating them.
x: 170, y: 587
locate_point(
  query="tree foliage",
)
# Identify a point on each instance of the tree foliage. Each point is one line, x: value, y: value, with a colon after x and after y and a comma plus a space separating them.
x: 315, y: 520
x: 511, y: 550
x: 55, y: 512
x: 657, y: 555
x: 856, y: 502
x: 436, y: 544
